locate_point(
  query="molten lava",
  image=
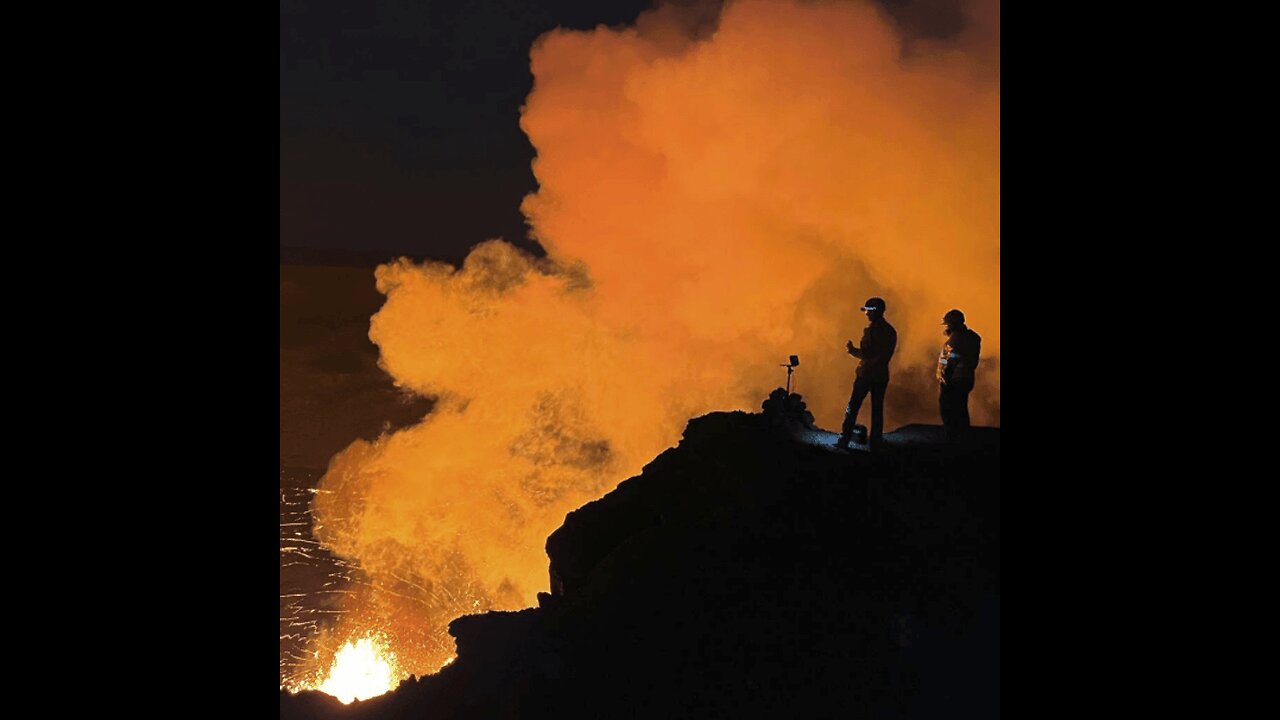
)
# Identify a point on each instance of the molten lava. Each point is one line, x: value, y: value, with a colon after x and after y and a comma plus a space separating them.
x: 362, y: 669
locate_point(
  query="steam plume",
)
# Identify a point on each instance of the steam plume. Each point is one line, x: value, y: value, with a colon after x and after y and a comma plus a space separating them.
x: 711, y: 201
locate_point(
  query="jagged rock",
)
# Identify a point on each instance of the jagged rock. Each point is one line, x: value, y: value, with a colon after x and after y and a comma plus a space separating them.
x: 787, y: 411
x: 746, y: 573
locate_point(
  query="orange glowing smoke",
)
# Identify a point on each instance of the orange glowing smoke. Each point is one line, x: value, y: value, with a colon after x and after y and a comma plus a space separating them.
x: 709, y: 206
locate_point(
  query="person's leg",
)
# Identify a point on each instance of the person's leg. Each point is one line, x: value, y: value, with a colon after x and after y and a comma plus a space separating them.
x: 946, y: 406
x: 877, y: 414
x: 962, y: 407
x: 860, y: 389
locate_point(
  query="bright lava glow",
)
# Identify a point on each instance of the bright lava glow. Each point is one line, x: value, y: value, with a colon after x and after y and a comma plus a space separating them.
x: 361, y: 670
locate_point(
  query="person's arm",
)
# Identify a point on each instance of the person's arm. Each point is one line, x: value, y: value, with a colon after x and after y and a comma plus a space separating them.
x: 890, y: 346
x: 964, y: 354
x: 853, y: 350
x: 881, y: 347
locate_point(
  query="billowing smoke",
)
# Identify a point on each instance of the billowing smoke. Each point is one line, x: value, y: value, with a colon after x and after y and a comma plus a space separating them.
x: 711, y: 200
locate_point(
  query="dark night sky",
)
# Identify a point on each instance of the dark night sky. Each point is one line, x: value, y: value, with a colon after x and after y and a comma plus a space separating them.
x: 399, y: 119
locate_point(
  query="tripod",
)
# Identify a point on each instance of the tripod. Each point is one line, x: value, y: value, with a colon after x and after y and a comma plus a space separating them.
x: 795, y: 361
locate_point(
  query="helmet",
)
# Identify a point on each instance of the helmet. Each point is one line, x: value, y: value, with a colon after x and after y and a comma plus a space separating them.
x: 953, y: 317
x: 874, y: 303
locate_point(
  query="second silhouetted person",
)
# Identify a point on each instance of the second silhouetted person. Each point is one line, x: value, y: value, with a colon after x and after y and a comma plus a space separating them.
x: 879, y: 340
x: 956, y: 365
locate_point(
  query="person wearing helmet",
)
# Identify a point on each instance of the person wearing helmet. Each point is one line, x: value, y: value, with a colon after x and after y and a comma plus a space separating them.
x: 879, y: 340
x: 956, y: 365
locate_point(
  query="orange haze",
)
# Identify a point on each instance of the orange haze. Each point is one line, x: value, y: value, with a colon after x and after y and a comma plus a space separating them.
x: 709, y: 206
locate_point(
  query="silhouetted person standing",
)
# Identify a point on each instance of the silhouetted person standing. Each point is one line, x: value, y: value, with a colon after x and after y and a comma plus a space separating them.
x: 956, y: 366
x: 879, y: 341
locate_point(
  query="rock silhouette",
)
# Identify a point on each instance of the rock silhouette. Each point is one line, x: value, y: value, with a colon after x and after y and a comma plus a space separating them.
x: 749, y: 572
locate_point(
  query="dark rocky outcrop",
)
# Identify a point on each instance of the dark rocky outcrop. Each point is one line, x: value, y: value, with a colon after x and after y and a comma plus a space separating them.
x: 750, y: 572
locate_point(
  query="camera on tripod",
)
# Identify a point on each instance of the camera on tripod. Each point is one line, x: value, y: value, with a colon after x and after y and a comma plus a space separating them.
x: 795, y: 362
